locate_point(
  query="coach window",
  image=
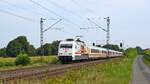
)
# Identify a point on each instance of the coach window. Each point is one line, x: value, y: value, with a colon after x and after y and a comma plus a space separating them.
x: 66, y: 46
x: 94, y: 51
x: 76, y: 47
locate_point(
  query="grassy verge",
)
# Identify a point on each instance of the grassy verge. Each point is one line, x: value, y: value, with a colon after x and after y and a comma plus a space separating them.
x: 8, y: 63
x: 111, y: 72
x: 146, y: 57
x: 146, y: 60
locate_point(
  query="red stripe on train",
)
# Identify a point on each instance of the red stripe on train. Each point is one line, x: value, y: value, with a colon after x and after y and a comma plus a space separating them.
x: 77, y: 52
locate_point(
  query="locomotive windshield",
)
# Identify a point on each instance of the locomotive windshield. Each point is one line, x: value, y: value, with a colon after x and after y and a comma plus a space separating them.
x: 66, y: 46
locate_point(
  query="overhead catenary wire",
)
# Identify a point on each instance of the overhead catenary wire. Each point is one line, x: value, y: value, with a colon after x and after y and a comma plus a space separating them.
x: 83, y: 7
x: 52, y: 25
x: 16, y: 15
x: 64, y: 9
x: 43, y: 7
x: 97, y: 25
x: 13, y: 5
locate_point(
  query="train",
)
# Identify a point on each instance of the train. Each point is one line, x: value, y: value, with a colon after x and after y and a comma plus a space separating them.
x: 74, y: 49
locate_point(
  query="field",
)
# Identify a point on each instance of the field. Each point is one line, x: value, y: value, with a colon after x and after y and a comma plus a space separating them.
x: 8, y: 63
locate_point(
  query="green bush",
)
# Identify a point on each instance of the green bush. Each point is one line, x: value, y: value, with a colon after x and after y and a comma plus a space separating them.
x: 131, y: 52
x: 22, y: 59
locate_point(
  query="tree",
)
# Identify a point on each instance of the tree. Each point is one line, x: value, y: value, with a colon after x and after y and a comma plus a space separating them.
x: 3, y: 52
x: 139, y: 50
x: 49, y: 49
x: 13, y: 48
x: 112, y: 47
x: 18, y: 45
x: 55, y: 45
x: 31, y: 50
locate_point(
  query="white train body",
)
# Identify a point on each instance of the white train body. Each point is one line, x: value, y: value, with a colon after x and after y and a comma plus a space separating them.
x: 71, y: 49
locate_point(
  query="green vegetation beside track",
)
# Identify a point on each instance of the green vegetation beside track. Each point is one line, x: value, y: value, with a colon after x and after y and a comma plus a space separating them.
x: 9, y: 63
x: 114, y: 71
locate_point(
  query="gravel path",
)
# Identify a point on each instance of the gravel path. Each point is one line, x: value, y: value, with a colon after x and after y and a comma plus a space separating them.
x: 141, y: 73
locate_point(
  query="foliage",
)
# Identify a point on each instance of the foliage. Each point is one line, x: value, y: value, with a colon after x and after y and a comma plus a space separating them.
x: 22, y: 59
x: 3, y: 52
x: 112, y: 47
x: 131, y: 52
x: 139, y: 50
x: 146, y: 52
x: 31, y: 50
x: 19, y: 45
x: 55, y: 45
x: 146, y: 57
x: 49, y: 49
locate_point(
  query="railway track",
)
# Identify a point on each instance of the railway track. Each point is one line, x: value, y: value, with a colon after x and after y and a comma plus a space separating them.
x: 43, y: 71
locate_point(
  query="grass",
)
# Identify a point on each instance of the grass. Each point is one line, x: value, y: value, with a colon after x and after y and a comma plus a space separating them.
x: 146, y: 57
x: 111, y: 72
x: 8, y: 63
x: 146, y: 60
x: 114, y: 71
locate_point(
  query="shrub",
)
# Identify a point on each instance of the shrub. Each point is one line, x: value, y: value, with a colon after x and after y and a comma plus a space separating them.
x: 131, y: 52
x: 22, y: 59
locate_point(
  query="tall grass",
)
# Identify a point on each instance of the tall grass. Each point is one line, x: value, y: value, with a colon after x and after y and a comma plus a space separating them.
x: 9, y: 63
x: 146, y: 57
x: 111, y: 72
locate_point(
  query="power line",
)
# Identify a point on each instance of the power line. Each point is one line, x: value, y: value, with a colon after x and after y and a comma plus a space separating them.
x: 38, y: 4
x: 64, y: 9
x: 83, y: 7
x: 19, y: 16
x: 52, y: 25
x: 44, y: 7
x: 13, y: 5
x: 97, y: 25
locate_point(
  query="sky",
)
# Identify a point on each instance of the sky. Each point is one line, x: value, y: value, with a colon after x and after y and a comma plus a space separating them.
x: 129, y: 20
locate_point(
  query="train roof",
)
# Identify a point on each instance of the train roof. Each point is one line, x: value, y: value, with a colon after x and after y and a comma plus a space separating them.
x: 94, y: 47
x: 99, y: 48
x: 72, y: 40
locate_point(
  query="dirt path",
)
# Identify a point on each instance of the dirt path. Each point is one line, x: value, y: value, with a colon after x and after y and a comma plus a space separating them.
x: 141, y: 73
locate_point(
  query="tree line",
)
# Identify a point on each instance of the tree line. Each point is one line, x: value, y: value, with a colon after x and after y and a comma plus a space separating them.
x: 21, y: 45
